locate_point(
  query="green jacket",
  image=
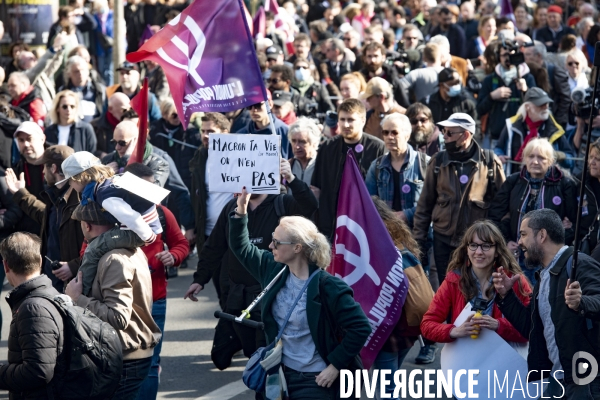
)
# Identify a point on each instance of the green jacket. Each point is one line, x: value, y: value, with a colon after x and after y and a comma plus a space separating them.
x: 349, y: 317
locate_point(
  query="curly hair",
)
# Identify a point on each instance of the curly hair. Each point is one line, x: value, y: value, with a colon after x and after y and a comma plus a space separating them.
x: 487, y: 232
x: 398, y: 230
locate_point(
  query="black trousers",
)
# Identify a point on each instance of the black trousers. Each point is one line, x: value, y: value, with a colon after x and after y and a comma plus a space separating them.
x: 442, y: 251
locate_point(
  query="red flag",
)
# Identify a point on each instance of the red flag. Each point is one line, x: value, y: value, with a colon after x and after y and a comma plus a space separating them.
x: 260, y: 23
x: 140, y: 104
x: 208, y: 57
x: 367, y: 260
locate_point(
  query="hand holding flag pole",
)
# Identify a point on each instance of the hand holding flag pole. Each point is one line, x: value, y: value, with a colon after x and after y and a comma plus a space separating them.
x: 140, y: 104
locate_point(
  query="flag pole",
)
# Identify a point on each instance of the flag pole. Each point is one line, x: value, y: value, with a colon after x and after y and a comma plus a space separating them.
x: 262, y: 86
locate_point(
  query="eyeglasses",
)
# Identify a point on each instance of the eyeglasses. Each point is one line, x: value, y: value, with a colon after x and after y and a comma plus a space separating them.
x: 421, y: 120
x: 277, y: 242
x: 274, y: 80
x: 121, y: 143
x: 67, y: 106
x: 450, y: 134
x: 257, y: 106
x: 393, y: 133
x: 484, y: 246
x: 570, y: 64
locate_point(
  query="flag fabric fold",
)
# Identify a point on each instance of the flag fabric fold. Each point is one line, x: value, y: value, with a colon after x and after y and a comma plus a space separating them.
x: 366, y: 258
x: 506, y: 10
x: 139, y: 103
x: 208, y: 57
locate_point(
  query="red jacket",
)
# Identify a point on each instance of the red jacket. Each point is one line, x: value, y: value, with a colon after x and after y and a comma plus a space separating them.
x: 178, y: 247
x: 33, y: 104
x: 450, y: 301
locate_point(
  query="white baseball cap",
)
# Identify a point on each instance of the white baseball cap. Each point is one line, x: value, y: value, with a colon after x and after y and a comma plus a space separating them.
x: 30, y: 128
x: 461, y: 120
x: 77, y: 163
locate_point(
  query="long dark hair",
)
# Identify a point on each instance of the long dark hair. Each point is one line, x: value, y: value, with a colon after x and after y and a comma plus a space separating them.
x: 487, y: 232
x: 398, y: 230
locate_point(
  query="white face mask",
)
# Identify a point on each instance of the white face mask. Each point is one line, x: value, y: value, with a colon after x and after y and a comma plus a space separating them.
x: 302, y: 74
x: 509, y: 74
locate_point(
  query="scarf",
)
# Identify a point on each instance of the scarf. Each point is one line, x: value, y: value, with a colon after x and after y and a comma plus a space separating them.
x: 112, y: 120
x: 303, y: 86
x: 290, y: 118
x: 533, y: 133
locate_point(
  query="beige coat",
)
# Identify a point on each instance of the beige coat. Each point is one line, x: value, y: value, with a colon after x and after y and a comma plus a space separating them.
x: 122, y: 296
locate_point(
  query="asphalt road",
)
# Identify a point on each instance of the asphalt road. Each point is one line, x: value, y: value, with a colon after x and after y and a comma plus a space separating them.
x: 187, y: 371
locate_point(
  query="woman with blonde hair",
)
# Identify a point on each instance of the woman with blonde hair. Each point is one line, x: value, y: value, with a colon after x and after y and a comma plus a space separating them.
x: 67, y: 126
x: 469, y: 280
x: 486, y: 30
x: 352, y: 85
x: 539, y: 184
x: 312, y: 354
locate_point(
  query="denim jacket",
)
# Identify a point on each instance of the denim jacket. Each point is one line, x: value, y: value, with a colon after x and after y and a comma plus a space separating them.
x: 411, y: 182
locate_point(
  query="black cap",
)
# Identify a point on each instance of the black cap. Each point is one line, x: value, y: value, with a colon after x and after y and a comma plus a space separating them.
x: 128, y: 66
x: 537, y: 96
x: 273, y: 52
x: 280, y: 97
x: 447, y: 74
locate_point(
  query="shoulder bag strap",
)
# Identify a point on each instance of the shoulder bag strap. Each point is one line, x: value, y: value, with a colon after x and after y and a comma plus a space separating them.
x: 287, y: 317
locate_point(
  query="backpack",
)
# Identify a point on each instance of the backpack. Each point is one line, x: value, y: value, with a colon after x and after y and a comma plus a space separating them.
x: 93, y: 355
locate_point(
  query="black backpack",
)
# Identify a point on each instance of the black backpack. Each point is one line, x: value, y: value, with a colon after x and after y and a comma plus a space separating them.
x: 92, y: 352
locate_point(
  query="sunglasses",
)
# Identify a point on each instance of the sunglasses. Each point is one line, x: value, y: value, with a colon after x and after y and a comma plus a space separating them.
x: 393, y: 133
x: 416, y: 121
x: 257, y: 106
x: 67, y: 106
x: 484, y: 246
x: 121, y: 143
x: 450, y: 134
x: 277, y: 242
x: 274, y: 80
x: 570, y: 64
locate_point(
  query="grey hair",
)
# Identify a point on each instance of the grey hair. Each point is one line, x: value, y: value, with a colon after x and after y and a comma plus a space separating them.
x: 21, y: 76
x: 338, y: 44
x: 581, y: 24
x: 73, y: 60
x: 549, y: 220
x: 442, y: 41
x: 308, y: 126
x: 399, y: 119
x: 540, y: 48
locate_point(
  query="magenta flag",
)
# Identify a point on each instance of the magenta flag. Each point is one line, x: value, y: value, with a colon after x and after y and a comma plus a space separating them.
x: 506, y: 10
x: 260, y: 23
x: 208, y: 57
x: 367, y: 260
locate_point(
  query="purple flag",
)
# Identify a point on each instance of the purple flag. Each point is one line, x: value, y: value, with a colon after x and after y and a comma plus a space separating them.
x: 146, y: 35
x: 208, y: 57
x: 506, y: 10
x: 367, y: 260
x: 260, y: 23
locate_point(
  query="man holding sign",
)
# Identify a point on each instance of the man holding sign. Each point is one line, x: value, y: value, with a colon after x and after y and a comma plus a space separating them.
x: 264, y: 212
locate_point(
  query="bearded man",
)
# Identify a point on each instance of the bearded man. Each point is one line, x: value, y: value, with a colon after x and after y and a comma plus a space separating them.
x: 425, y: 136
x: 533, y: 119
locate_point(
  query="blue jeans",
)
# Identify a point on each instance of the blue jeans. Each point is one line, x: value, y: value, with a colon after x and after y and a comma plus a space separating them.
x: 132, y: 377
x: 149, y: 388
x: 391, y: 361
x: 105, y: 68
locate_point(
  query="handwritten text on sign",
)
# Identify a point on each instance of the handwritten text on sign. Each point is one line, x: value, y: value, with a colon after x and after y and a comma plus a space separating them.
x: 235, y: 161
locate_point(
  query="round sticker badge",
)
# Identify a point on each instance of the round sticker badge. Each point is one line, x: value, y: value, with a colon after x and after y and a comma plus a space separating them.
x: 359, y: 148
x: 556, y: 200
x: 464, y: 179
x: 406, y: 188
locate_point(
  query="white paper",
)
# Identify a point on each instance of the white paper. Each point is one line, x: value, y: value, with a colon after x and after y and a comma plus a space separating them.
x: 489, y: 353
x: 141, y: 187
x: 238, y: 160
x: 88, y: 108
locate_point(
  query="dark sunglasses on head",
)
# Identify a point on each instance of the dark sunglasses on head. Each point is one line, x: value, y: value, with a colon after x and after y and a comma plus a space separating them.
x: 121, y: 143
x: 67, y: 106
x: 257, y: 106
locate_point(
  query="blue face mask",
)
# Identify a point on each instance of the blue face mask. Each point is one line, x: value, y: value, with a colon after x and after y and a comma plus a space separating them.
x: 455, y: 90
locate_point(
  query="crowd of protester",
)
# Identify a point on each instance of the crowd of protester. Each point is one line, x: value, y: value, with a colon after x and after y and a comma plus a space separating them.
x: 469, y: 129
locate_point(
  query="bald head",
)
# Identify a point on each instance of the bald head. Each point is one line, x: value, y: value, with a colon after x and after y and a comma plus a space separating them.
x: 125, y: 136
x: 118, y: 103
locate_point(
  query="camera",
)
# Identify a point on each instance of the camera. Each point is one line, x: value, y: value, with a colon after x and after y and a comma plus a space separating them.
x: 515, y: 56
x: 400, y: 55
x: 582, y: 100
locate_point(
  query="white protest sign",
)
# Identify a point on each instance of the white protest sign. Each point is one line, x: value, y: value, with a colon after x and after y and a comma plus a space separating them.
x: 141, y: 187
x: 235, y: 161
x: 502, y: 369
